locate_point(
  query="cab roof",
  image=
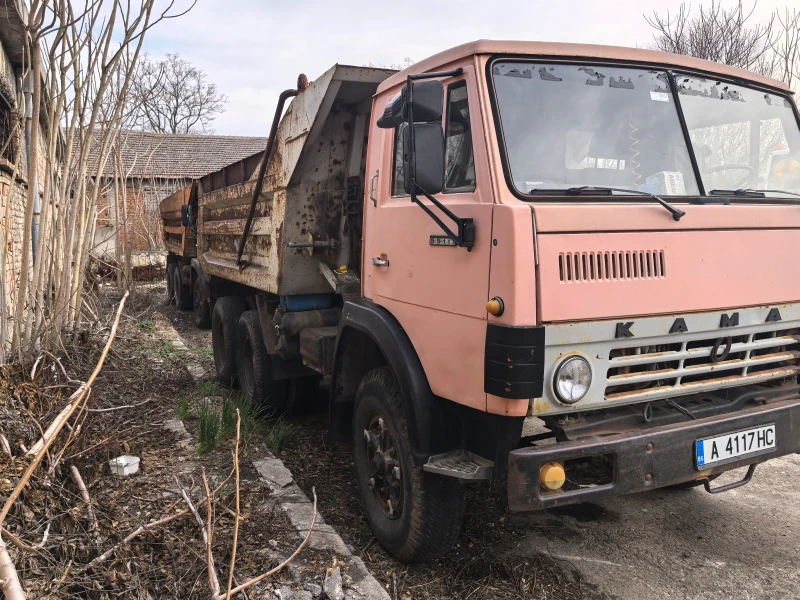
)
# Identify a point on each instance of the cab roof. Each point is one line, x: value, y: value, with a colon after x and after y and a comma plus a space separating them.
x: 581, y: 51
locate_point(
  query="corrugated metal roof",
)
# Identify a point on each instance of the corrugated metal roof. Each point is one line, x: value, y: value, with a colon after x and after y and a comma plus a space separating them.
x: 178, y: 156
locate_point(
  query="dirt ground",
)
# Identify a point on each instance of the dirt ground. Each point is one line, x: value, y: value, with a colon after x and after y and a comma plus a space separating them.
x: 664, y: 544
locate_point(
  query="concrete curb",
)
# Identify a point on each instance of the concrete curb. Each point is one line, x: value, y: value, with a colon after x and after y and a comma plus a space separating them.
x: 197, y: 372
x: 299, y: 509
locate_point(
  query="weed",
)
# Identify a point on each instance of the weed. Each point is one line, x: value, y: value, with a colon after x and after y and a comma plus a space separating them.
x: 147, y: 325
x: 228, y: 414
x: 205, y: 351
x: 278, y: 433
x: 249, y: 414
x: 184, y: 407
x: 208, y: 428
x: 210, y: 388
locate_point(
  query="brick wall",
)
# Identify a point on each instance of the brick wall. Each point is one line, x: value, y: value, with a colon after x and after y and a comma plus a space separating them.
x: 144, y: 220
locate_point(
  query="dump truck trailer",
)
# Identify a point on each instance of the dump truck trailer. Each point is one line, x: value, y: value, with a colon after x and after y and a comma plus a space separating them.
x: 570, y: 266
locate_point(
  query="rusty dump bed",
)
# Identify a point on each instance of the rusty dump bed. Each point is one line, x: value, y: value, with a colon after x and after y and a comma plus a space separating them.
x: 178, y: 239
x: 316, y: 170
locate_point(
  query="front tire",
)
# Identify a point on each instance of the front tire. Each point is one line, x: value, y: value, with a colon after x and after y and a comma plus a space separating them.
x: 415, y: 515
x: 224, y: 322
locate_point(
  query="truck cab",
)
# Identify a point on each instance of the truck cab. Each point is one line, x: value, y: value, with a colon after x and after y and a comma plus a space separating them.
x: 569, y: 265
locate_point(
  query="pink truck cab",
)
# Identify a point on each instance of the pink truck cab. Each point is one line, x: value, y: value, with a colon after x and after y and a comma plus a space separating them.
x: 572, y: 266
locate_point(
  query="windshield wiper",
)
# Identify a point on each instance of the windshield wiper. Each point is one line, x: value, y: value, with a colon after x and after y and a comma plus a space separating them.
x: 676, y: 212
x: 751, y: 193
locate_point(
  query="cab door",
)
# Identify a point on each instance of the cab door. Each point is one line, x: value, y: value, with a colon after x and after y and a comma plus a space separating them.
x: 438, y: 292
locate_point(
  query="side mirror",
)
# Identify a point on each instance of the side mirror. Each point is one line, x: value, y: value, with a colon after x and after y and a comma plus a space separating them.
x: 427, y: 105
x: 186, y: 215
x: 429, y: 139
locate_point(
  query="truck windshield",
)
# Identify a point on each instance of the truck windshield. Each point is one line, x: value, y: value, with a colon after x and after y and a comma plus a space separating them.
x: 567, y: 126
x: 742, y: 137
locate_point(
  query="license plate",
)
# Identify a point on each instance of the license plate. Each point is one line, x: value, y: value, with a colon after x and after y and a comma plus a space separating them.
x: 726, y: 447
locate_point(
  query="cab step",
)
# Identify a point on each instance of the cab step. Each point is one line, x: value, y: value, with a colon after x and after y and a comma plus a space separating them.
x: 460, y: 464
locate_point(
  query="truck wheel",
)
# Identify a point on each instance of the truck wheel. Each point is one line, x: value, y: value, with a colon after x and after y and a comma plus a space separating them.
x: 255, y: 366
x: 170, y: 283
x: 202, y: 310
x: 414, y: 515
x: 182, y: 300
x: 224, y: 321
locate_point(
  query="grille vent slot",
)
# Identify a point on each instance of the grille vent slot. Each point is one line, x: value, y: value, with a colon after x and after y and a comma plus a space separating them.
x: 611, y: 265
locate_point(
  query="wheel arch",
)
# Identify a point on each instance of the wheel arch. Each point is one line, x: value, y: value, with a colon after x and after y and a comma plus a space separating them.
x: 370, y: 337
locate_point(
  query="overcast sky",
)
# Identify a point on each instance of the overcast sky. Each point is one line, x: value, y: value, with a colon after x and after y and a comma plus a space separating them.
x: 254, y: 49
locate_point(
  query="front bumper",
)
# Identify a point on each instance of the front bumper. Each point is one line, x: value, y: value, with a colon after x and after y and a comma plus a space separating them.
x: 648, y: 459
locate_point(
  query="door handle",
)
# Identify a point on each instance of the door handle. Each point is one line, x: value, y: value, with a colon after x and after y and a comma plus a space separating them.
x: 380, y: 262
x: 372, y: 189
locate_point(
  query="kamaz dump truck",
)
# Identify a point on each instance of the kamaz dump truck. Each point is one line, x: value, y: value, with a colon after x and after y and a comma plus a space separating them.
x: 602, y: 241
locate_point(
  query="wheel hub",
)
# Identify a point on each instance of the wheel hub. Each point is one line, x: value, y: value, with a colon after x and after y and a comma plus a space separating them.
x: 384, y: 466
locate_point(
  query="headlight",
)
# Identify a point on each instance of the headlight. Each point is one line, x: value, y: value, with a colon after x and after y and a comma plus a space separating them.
x: 572, y: 379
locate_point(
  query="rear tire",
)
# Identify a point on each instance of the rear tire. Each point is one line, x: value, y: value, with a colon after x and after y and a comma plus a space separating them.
x: 171, y: 283
x: 415, y: 515
x: 182, y: 299
x: 224, y: 321
x: 202, y: 308
x: 255, y: 366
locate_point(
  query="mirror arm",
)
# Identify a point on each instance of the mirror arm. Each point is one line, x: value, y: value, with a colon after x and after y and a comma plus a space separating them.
x: 465, y: 238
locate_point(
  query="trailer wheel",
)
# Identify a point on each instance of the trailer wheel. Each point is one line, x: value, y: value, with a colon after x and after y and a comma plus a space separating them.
x: 224, y: 321
x: 414, y: 515
x: 202, y: 308
x: 182, y: 299
x: 170, y: 283
x: 255, y: 366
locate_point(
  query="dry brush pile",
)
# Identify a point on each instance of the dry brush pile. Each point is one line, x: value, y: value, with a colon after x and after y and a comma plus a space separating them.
x: 72, y: 529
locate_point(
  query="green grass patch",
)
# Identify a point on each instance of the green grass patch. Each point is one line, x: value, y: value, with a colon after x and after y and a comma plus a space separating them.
x: 211, y: 388
x: 278, y: 433
x: 184, y: 407
x: 147, y: 325
x: 204, y: 351
x: 208, y: 428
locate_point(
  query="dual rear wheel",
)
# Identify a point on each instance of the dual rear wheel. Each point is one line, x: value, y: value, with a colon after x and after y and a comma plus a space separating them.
x: 242, y: 360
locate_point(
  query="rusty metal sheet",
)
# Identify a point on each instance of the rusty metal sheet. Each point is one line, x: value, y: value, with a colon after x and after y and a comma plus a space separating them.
x: 304, y: 193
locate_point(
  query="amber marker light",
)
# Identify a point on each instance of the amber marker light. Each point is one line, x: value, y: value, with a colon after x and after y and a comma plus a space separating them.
x: 552, y: 476
x: 495, y: 306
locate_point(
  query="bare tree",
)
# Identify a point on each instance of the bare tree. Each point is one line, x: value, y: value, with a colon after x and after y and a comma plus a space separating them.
x: 173, y: 96
x: 724, y: 35
x: 786, y: 47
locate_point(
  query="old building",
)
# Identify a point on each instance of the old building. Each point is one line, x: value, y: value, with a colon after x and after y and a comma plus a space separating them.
x: 149, y: 167
x: 13, y: 150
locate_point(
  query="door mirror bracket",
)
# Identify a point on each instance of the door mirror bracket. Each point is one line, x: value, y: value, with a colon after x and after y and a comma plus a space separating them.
x: 420, y: 105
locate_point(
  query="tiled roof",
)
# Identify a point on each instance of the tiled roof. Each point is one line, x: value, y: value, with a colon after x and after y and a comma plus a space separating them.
x: 179, y: 156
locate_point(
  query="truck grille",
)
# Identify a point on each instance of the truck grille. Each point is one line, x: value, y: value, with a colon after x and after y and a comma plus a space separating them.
x: 611, y: 265
x: 651, y: 372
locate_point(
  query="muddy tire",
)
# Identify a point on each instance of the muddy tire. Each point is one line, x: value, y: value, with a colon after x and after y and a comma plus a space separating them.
x: 255, y: 366
x: 171, y: 283
x: 183, y: 300
x: 224, y: 321
x: 415, y: 515
x: 201, y: 306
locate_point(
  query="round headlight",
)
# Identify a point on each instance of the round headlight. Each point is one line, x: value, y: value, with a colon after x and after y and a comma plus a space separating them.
x: 572, y: 379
